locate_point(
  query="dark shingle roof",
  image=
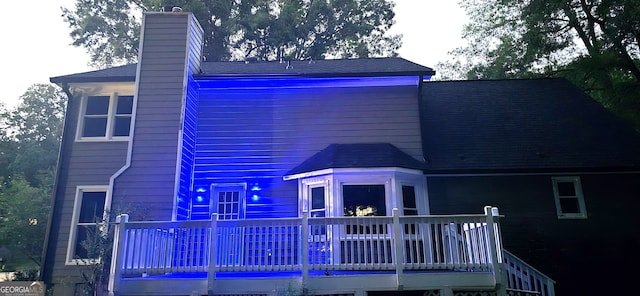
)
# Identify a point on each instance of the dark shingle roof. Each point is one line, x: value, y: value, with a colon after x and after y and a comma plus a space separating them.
x: 358, y: 67
x: 346, y: 67
x: 539, y: 124
x: 124, y: 73
x: 364, y: 155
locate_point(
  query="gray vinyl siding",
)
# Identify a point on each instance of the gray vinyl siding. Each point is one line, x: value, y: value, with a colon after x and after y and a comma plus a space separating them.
x: 149, y: 184
x: 183, y: 210
x: 81, y: 164
x: 256, y: 136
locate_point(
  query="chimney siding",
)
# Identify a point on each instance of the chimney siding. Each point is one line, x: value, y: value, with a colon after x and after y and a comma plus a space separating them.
x: 170, y: 52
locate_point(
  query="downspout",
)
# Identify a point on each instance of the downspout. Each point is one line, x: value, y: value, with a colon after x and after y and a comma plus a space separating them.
x: 134, y: 113
x: 65, y: 89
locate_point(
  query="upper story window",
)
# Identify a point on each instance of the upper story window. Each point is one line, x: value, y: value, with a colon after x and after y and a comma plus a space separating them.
x: 569, y: 198
x: 105, y: 117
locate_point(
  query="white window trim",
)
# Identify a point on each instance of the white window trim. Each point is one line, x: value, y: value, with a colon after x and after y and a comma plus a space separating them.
x: 305, y: 194
x: 334, y: 179
x: 75, y: 218
x: 417, y: 195
x: 113, y: 94
x: 579, y: 195
x: 242, y: 198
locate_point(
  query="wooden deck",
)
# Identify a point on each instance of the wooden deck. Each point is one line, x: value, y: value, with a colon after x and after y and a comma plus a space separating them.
x: 319, y: 255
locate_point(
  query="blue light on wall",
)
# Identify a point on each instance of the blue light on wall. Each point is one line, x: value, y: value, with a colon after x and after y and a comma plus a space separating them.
x: 212, y: 83
x: 199, y: 198
x: 201, y: 189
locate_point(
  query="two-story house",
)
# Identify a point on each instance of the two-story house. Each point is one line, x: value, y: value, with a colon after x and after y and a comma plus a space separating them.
x: 334, y: 177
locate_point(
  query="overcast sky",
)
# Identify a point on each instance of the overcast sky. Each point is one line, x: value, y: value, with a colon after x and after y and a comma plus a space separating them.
x: 36, y: 42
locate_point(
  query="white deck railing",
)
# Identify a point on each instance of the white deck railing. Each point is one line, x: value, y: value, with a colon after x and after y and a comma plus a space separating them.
x: 457, y: 242
x: 453, y: 242
x: 522, y: 276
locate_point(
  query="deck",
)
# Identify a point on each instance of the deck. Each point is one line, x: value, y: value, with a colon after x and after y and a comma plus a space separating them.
x: 328, y: 255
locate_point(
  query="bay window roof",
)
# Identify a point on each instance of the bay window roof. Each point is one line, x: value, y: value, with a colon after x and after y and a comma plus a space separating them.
x: 361, y: 155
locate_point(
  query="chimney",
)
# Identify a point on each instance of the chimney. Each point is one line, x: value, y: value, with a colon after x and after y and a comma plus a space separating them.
x: 171, y: 9
x: 166, y: 95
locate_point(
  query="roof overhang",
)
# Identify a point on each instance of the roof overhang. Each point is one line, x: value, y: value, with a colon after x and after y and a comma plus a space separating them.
x: 95, y: 88
x: 351, y: 171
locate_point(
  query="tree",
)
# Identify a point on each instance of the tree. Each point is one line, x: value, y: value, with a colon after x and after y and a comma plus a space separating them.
x: 595, y: 44
x: 242, y: 29
x: 31, y: 133
x: 29, y: 141
x: 24, y: 210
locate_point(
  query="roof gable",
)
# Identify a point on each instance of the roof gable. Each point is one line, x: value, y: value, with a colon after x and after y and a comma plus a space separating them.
x: 494, y: 125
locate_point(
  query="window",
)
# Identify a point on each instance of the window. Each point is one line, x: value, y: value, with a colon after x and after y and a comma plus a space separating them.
x: 317, y: 205
x: 105, y: 117
x: 364, y: 200
x: 228, y: 200
x: 569, y: 198
x: 89, y: 210
x: 409, y: 200
x: 362, y: 192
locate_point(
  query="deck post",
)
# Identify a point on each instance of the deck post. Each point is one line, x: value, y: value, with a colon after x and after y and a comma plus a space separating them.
x: 115, y: 269
x: 494, y: 244
x: 550, y: 291
x: 397, y: 232
x: 213, y: 253
x: 305, y: 248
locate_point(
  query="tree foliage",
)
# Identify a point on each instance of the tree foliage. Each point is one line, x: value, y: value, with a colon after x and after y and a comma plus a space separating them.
x: 243, y: 29
x: 30, y: 135
x: 32, y: 132
x: 593, y: 43
x: 24, y: 211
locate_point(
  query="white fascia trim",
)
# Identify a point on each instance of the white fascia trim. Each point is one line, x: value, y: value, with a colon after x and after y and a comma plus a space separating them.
x: 100, y: 88
x: 352, y: 171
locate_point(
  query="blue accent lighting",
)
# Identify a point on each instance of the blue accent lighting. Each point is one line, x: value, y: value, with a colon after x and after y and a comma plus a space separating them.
x: 280, y: 82
x: 201, y: 189
x: 255, y: 197
x: 255, y: 187
x: 199, y: 198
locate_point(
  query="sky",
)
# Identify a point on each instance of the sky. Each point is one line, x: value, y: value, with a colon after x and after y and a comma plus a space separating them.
x: 36, y: 43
